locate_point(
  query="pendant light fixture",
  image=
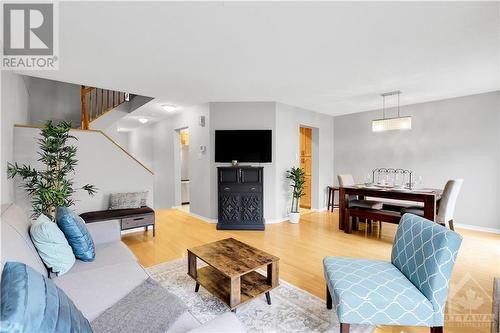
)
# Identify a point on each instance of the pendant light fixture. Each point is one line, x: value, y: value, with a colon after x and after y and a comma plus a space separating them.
x: 394, y: 123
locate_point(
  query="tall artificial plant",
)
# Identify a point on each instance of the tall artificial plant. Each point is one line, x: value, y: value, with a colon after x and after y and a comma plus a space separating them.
x: 52, y: 187
x: 298, y: 181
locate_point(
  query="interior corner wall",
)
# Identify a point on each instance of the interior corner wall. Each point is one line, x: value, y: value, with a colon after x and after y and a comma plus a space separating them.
x: 199, y: 161
x: 14, y: 110
x: 284, y: 120
x: 452, y: 138
x: 288, y: 122
x: 245, y: 116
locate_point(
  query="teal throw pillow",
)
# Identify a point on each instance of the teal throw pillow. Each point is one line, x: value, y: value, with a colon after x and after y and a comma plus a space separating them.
x: 52, y: 245
x: 73, y: 227
x: 33, y: 303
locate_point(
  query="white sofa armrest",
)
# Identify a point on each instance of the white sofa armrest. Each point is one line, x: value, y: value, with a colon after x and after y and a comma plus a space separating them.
x: 226, y: 323
x: 104, y: 231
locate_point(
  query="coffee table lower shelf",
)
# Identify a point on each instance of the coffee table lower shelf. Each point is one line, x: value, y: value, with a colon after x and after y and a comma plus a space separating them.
x: 252, y: 285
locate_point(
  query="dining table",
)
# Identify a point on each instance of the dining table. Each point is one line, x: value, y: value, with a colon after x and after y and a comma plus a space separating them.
x: 427, y: 197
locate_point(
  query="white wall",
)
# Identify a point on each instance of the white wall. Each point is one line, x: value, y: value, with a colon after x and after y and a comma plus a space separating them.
x: 53, y: 100
x: 141, y: 144
x: 245, y: 116
x: 288, y: 122
x: 199, y: 162
x: 108, y: 168
x: 14, y: 110
x: 108, y: 123
x: 453, y: 138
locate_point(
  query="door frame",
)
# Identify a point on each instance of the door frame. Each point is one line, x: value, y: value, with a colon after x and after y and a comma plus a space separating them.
x: 177, y: 164
x: 315, y: 205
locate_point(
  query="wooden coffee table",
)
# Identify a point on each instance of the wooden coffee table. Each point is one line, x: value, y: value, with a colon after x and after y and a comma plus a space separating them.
x: 231, y: 272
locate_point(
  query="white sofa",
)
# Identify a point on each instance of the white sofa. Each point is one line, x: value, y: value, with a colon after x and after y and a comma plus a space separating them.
x: 95, y: 286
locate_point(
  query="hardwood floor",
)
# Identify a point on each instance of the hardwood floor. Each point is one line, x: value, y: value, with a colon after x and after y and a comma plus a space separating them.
x: 302, y: 247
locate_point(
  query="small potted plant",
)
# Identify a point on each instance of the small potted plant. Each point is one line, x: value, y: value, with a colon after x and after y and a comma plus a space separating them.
x: 298, y: 180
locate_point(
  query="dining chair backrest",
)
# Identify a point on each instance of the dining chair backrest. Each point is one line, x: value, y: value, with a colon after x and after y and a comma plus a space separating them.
x: 347, y: 180
x: 448, y: 201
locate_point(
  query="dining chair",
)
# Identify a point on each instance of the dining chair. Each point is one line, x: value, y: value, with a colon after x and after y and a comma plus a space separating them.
x: 446, y: 206
x: 409, y: 290
x: 353, y: 201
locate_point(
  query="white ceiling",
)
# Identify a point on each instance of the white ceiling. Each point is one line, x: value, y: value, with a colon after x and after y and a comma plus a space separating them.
x: 332, y: 57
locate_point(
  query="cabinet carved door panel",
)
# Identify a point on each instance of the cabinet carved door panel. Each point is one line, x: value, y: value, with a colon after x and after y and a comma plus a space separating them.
x: 229, y: 207
x: 251, y: 208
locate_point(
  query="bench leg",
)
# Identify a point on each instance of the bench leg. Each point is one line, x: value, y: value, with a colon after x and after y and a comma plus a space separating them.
x: 329, y: 302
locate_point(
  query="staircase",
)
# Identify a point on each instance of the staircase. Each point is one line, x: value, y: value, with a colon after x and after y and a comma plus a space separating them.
x: 96, y: 102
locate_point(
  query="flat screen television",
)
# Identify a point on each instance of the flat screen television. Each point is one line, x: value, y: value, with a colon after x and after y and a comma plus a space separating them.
x: 243, y: 146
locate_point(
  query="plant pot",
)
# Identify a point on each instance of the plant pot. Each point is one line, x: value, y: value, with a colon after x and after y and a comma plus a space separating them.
x: 294, y: 217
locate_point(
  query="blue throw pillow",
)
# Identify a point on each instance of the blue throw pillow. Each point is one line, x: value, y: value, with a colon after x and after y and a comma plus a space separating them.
x: 33, y: 303
x: 52, y: 245
x: 73, y: 227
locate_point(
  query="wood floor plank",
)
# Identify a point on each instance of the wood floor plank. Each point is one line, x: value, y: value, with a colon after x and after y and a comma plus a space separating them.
x: 301, y: 248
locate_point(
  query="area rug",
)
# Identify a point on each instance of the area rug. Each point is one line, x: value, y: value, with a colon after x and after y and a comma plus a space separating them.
x: 292, y: 309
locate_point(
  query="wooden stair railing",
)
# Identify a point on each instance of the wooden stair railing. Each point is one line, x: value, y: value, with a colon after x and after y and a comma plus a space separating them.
x: 96, y: 102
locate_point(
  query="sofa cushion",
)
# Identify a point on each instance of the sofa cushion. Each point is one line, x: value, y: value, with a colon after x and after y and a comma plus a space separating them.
x: 95, y: 290
x: 33, y: 303
x: 375, y: 292
x: 225, y: 323
x: 73, y: 227
x: 107, y: 254
x: 16, y: 242
x: 184, y: 323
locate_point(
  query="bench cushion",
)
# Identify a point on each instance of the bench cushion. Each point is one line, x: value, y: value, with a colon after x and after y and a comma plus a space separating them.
x: 375, y: 292
x: 368, y: 204
x: 103, y: 215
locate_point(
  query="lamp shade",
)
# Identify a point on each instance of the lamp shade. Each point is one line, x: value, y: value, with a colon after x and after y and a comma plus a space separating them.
x: 390, y: 124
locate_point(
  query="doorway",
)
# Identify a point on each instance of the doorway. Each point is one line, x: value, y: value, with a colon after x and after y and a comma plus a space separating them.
x: 306, y: 160
x: 184, y: 164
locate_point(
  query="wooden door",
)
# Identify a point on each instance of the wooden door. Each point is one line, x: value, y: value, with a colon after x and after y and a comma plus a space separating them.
x: 306, y: 163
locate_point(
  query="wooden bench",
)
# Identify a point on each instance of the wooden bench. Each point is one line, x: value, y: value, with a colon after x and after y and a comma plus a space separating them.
x: 129, y: 218
x: 384, y: 215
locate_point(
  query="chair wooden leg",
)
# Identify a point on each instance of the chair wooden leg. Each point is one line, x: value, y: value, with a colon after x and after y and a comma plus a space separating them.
x: 344, y: 328
x: 329, y: 302
x: 450, y: 224
x: 438, y: 329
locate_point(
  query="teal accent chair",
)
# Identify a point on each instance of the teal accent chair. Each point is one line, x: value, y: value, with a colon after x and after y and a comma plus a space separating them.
x: 410, y: 290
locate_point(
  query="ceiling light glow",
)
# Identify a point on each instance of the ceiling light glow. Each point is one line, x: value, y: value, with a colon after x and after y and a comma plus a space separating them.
x: 143, y: 120
x: 169, y: 108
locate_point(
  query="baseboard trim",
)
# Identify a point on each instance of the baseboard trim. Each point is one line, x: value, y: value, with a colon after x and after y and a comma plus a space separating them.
x: 203, y: 218
x: 279, y: 220
x: 477, y: 228
x: 319, y: 210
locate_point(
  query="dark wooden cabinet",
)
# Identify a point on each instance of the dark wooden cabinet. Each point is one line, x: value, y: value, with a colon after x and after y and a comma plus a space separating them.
x: 241, y: 198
